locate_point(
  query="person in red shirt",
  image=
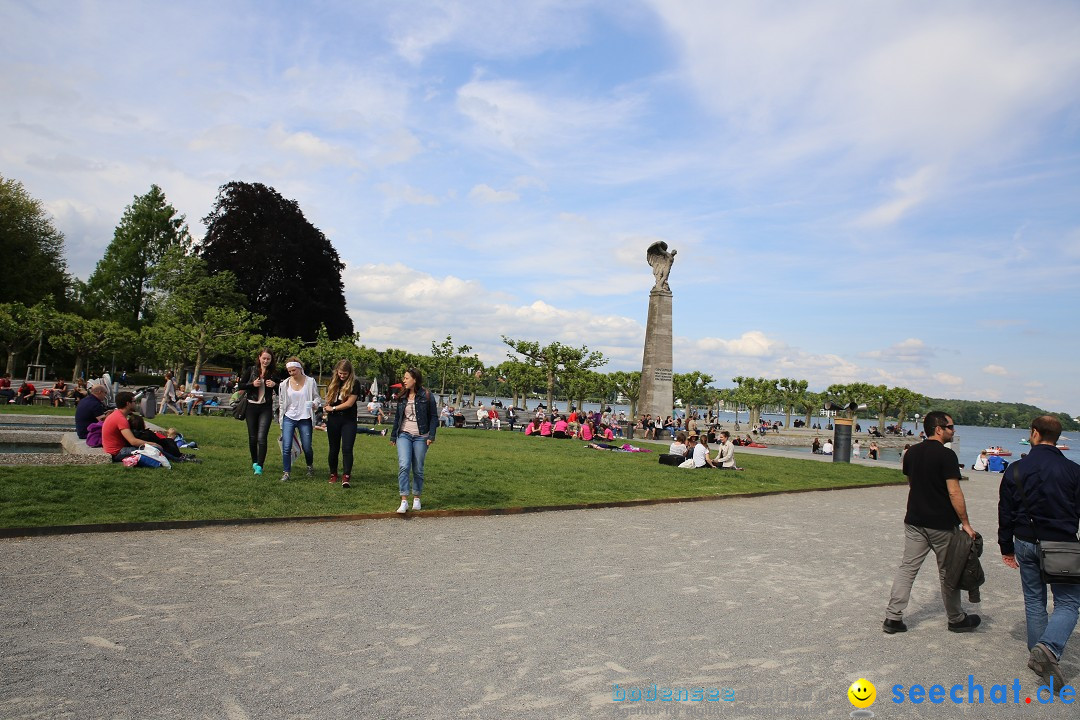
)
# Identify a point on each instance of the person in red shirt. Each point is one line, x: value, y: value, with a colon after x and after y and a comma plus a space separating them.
x: 116, y: 436
x: 27, y: 393
x: 6, y: 393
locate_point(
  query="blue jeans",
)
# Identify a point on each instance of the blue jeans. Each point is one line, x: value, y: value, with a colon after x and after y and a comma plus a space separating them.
x: 287, y: 426
x: 1052, y: 631
x: 411, y: 451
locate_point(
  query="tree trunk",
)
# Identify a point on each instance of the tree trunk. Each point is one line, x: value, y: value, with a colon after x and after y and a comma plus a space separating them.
x: 78, y: 369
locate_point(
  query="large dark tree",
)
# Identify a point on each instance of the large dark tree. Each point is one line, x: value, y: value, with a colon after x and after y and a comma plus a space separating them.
x: 285, y: 266
x: 31, y: 247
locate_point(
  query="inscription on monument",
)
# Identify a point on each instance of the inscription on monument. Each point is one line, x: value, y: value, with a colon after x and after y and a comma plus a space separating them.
x: 662, y: 374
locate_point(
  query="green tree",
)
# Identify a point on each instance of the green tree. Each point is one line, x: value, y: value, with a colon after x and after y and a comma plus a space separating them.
x: 119, y: 287
x: 447, y: 361
x: 583, y: 385
x: 391, y: 365
x: 690, y: 388
x: 629, y: 384
x: 88, y: 340
x: 850, y: 394
x: 906, y: 402
x: 755, y: 394
x: 522, y: 379
x: 555, y: 359
x: 284, y: 265
x: 201, y: 314
x: 811, y: 402
x: 789, y: 393
x: 32, y: 248
x: 21, y: 327
x: 320, y: 355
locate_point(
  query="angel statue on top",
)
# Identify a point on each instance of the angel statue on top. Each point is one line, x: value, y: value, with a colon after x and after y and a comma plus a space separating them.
x: 660, y: 260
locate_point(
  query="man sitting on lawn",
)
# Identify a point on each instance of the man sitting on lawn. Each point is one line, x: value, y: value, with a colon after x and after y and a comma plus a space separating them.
x: 90, y: 409
x: 116, y: 436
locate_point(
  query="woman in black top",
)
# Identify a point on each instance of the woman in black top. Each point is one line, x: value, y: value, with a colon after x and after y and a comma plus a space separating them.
x: 341, y: 397
x: 259, y: 385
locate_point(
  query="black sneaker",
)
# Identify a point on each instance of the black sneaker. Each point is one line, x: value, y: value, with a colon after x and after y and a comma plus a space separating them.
x: 893, y: 626
x: 969, y: 623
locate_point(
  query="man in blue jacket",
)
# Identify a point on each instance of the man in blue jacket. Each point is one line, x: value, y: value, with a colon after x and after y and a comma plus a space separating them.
x: 1051, y: 503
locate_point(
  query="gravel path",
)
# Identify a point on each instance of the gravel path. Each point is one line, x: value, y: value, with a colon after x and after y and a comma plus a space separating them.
x: 778, y: 598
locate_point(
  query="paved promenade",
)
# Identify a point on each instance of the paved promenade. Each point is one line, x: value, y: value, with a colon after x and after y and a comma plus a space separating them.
x: 778, y: 598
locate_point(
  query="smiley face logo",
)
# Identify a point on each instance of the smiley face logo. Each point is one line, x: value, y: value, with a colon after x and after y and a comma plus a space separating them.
x: 862, y: 693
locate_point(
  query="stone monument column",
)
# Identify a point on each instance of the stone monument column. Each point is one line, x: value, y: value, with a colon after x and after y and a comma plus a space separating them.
x: 657, y: 394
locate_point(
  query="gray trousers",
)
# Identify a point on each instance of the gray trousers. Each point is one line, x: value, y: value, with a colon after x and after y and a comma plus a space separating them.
x: 918, y: 542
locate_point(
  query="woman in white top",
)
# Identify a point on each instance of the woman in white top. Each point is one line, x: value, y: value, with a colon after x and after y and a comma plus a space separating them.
x: 297, y: 399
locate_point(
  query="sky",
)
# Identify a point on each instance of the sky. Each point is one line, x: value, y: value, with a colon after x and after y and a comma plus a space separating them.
x: 885, y: 192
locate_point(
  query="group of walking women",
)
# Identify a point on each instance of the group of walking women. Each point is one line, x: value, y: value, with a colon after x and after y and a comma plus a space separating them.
x: 298, y: 402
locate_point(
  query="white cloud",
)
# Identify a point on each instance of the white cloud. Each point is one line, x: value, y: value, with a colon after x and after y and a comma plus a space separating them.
x: 399, y: 194
x: 910, y: 192
x: 750, y: 344
x: 947, y: 379
x: 858, y: 85
x: 506, y: 113
x: 485, y: 194
x: 489, y: 28
x: 995, y: 370
x: 911, y: 350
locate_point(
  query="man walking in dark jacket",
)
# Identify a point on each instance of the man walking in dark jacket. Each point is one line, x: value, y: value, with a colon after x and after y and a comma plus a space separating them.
x: 1048, y: 510
x: 935, y: 508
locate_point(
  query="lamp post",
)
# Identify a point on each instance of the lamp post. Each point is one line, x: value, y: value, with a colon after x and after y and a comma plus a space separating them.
x: 916, y: 421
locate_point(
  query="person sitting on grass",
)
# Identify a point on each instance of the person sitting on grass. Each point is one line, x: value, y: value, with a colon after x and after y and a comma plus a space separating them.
x: 533, y: 428
x: 90, y: 409
x: 701, y: 454
x: 678, y: 447
x: 725, y: 458
x: 545, y: 428
x: 587, y: 430
x: 560, y: 429
x: 117, y: 439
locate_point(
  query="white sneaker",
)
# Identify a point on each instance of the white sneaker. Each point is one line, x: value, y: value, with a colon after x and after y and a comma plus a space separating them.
x: 416, y: 503
x: 403, y: 507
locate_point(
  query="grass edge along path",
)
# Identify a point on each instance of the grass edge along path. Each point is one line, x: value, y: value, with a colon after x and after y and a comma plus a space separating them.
x: 469, y: 472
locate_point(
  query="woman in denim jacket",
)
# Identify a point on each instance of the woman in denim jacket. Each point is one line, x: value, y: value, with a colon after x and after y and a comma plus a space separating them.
x: 415, y: 422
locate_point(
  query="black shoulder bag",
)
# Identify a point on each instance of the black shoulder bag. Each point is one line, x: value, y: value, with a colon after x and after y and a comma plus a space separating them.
x: 1059, y: 560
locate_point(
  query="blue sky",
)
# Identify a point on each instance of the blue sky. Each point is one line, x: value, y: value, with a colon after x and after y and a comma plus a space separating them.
x: 885, y: 192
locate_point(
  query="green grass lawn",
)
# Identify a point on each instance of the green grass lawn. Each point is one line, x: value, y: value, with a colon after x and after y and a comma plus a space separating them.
x: 465, y: 469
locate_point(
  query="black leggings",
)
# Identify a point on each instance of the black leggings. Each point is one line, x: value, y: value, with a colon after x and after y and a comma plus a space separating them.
x: 341, y: 432
x: 258, y: 417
